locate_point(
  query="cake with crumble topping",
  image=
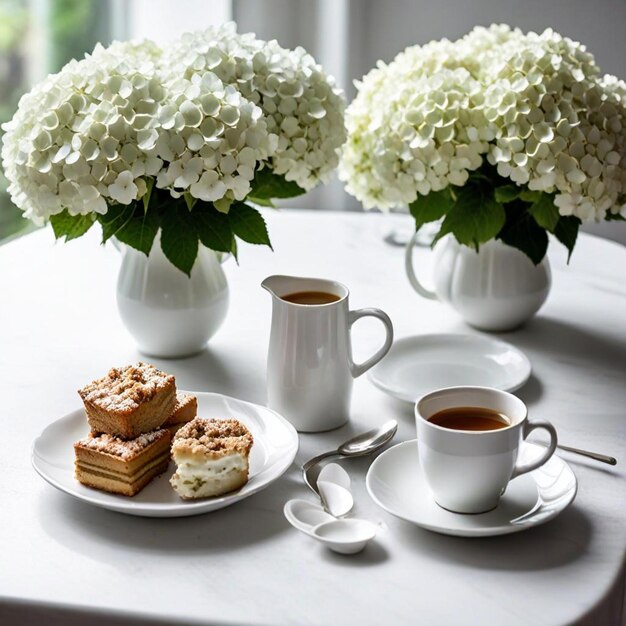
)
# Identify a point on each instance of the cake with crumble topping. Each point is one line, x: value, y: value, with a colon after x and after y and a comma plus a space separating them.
x: 211, y: 456
x: 185, y: 410
x: 129, y: 400
x: 123, y: 466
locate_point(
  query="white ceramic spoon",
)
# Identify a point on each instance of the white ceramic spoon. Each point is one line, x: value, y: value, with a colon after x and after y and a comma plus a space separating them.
x: 334, y: 473
x: 345, y: 536
x: 333, y: 484
x: 337, y: 500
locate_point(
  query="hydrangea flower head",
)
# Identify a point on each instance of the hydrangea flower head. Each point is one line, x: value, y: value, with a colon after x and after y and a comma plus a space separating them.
x: 301, y: 106
x: 82, y: 138
x: 533, y: 105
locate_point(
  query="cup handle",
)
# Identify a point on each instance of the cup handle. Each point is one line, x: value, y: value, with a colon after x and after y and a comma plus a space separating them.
x: 357, y: 369
x: 410, y: 272
x: 522, y: 468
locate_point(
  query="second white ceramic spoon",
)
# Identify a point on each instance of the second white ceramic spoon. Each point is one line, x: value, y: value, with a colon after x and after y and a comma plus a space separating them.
x: 345, y: 536
x: 305, y: 515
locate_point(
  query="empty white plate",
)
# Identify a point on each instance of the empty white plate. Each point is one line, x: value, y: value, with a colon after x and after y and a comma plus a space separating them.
x: 274, y: 449
x: 420, y: 364
x: 396, y: 483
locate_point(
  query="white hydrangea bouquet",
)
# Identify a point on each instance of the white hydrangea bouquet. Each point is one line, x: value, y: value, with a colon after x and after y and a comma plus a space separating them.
x: 141, y: 139
x: 502, y: 134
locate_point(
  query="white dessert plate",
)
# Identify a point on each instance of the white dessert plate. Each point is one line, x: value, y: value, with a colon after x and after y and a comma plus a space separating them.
x: 419, y: 364
x: 274, y: 449
x: 396, y: 483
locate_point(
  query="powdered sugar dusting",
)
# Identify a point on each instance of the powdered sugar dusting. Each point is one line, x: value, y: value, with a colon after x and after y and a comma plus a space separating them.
x: 125, y: 449
x: 126, y: 387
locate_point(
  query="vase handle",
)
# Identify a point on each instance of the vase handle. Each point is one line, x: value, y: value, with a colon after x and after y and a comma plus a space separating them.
x: 410, y: 272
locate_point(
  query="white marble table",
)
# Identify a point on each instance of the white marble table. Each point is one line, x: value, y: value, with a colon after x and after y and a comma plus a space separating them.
x: 62, y: 561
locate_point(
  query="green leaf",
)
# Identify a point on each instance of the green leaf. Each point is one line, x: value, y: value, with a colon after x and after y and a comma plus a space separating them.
x: 566, y: 232
x: 115, y: 219
x: 261, y: 202
x: 223, y: 205
x: 507, y: 193
x: 545, y: 212
x: 530, y: 196
x: 267, y: 185
x: 189, y: 200
x: 212, y: 227
x: 148, y: 194
x: 474, y: 219
x: 521, y: 231
x: 234, y: 250
x: 70, y: 226
x: 140, y: 230
x: 615, y: 217
x: 248, y: 224
x: 179, y: 240
x: 432, y: 207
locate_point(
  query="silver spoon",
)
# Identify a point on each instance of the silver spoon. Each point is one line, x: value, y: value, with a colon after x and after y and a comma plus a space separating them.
x: 596, y: 456
x: 362, y: 444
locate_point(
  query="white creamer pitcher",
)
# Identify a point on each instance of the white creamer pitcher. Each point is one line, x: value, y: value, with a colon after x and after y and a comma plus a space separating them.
x: 310, y: 368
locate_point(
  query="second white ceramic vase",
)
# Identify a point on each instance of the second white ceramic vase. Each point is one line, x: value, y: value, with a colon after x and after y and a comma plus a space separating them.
x: 170, y: 314
x: 497, y: 288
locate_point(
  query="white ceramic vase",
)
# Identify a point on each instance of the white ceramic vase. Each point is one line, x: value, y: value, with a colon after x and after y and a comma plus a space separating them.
x: 169, y: 314
x: 497, y: 288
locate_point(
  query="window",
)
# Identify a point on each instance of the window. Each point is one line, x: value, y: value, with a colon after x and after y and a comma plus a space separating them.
x: 38, y: 37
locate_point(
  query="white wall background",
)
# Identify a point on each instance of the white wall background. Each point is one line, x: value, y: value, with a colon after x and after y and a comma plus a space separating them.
x: 163, y: 20
x: 349, y: 36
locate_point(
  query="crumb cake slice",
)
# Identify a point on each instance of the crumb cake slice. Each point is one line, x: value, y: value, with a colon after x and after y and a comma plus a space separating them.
x: 129, y: 400
x: 185, y: 410
x: 123, y: 466
x: 211, y: 457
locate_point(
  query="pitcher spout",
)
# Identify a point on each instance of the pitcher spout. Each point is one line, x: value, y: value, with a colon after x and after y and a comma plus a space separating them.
x: 280, y: 285
x: 276, y: 285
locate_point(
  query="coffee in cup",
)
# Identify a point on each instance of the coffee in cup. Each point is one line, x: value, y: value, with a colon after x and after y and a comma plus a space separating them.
x: 470, y: 418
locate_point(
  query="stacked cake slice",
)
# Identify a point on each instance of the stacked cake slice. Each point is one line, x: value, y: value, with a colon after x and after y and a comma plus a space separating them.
x: 122, y: 466
x: 185, y: 410
x: 133, y: 412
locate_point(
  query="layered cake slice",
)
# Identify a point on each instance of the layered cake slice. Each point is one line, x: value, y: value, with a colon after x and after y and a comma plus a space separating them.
x: 211, y: 456
x: 129, y: 400
x: 185, y: 410
x: 119, y: 465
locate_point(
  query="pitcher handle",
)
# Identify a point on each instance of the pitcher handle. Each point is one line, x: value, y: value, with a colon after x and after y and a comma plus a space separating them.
x: 410, y: 272
x: 360, y: 368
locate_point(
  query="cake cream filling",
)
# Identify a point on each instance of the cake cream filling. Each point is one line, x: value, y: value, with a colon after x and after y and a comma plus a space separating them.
x: 196, y: 479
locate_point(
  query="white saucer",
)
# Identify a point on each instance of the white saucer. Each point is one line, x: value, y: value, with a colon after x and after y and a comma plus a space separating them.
x: 396, y: 483
x: 275, y: 447
x: 420, y: 364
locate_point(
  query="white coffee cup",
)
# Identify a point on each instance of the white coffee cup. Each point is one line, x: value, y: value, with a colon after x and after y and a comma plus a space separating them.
x: 467, y: 470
